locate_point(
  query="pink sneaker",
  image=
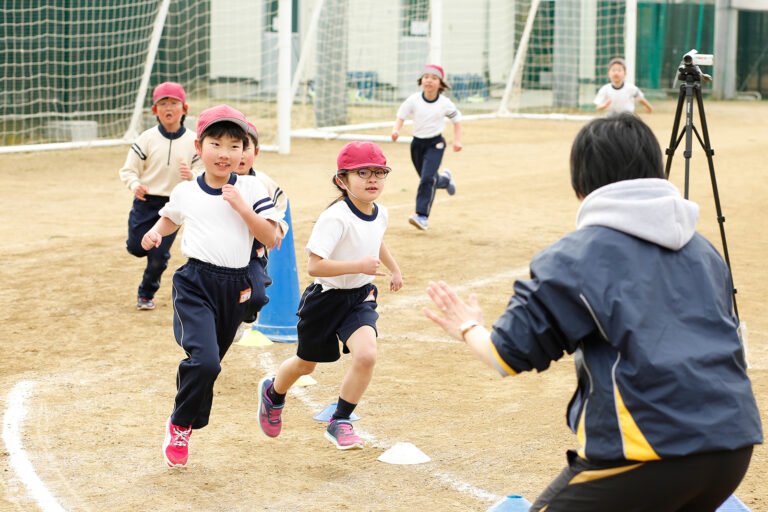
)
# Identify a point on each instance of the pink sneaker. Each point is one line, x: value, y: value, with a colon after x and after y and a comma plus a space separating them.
x: 269, y: 414
x: 341, y: 433
x: 176, y: 445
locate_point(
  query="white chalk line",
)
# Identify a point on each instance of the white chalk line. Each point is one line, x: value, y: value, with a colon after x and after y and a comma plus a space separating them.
x: 12, y: 421
x: 16, y: 411
x: 422, y: 299
x: 268, y: 365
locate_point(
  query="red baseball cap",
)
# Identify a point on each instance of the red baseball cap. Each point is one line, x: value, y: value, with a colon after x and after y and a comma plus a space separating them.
x: 217, y: 114
x: 357, y: 155
x: 169, y: 90
x: 252, y: 131
x: 434, y: 69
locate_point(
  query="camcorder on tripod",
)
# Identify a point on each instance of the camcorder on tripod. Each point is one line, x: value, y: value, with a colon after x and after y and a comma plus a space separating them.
x: 691, y: 77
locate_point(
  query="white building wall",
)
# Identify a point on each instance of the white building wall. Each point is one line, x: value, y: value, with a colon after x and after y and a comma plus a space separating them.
x: 236, y: 37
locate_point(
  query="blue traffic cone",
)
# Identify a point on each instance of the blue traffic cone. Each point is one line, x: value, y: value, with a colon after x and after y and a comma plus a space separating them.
x: 277, y: 320
x: 511, y: 503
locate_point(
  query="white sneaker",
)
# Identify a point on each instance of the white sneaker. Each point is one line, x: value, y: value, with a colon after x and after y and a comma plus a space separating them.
x: 451, y: 188
x: 419, y: 221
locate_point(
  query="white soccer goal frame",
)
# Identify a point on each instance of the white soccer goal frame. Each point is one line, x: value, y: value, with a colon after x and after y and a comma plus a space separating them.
x: 288, y: 82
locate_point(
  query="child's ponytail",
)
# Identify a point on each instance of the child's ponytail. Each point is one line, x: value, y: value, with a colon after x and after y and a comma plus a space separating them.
x: 344, y: 193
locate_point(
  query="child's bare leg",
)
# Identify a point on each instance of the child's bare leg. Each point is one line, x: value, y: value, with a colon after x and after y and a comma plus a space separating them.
x: 290, y: 371
x: 362, y: 346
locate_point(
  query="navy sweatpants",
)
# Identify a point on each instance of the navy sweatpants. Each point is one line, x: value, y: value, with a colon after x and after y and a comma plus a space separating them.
x: 143, y: 216
x: 209, y: 303
x: 427, y: 155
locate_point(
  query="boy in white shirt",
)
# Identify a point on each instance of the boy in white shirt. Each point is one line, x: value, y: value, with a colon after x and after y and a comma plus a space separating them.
x: 222, y: 213
x: 618, y: 96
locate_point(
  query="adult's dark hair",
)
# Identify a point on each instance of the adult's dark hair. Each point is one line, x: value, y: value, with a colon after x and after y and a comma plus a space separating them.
x: 611, y: 149
x: 225, y: 128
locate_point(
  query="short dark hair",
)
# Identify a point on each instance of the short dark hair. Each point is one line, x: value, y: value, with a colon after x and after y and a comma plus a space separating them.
x: 614, y: 148
x: 252, y: 140
x: 225, y: 128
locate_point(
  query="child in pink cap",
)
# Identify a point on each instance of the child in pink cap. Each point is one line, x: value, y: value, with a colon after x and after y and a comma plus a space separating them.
x: 158, y: 160
x: 345, y: 249
x: 429, y: 109
x: 222, y: 214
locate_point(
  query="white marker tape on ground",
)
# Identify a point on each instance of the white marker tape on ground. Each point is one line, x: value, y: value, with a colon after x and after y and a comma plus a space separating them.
x: 14, y: 417
x: 421, y: 299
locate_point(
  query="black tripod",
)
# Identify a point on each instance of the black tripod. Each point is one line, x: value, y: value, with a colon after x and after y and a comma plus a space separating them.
x: 691, y: 76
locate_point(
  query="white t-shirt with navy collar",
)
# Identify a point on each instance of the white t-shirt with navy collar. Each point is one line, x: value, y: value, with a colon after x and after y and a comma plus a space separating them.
x: 213, y: 231
x: 622, y: 98
x: 344, y: 233
x: 428, y: 115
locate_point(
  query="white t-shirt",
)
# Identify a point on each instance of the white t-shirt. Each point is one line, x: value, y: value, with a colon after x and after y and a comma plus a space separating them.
x: 213, y: 231
x: 344, y: 233
x: 428, y: 116
x: 622, y: 99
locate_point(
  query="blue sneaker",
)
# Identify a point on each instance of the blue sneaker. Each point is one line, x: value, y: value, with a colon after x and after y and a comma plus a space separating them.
x: 420, y: 221
x: 451, y: 188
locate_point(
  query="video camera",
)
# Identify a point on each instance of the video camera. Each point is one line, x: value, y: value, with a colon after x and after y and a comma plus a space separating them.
x: 689, y: 67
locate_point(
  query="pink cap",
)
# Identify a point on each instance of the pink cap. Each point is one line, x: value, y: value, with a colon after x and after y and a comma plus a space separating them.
x: 434, y: 69
x: 217, y: 114
x: 169, y: 90
x: 252, y: 131
x: 617, y: 60
x: 357, y: 155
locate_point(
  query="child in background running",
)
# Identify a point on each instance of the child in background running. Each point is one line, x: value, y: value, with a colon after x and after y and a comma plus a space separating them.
x: 619, y: 96
x: 429, y: 109
x: 259, y: 254
x: 158, y: 160
x: 345, y: 250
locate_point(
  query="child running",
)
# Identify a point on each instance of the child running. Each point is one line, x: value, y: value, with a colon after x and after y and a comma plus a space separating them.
x: 619, y: 96
x: 429, y: 109
x: 223, y: 213
x: 158, y: 160
x: 345, y: 250
x: 259, y: 253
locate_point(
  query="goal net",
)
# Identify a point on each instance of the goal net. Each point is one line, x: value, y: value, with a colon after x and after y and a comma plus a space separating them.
x: 81, y: 72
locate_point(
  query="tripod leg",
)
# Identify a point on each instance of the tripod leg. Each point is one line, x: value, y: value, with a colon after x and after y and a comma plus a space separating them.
x: 674, y: 139
x: 720, y: 218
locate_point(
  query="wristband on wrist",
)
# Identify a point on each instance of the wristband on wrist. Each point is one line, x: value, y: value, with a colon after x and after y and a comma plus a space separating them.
x: 468, y: 326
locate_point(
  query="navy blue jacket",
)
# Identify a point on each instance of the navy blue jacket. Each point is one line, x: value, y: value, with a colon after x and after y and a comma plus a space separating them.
x: 648, y: 316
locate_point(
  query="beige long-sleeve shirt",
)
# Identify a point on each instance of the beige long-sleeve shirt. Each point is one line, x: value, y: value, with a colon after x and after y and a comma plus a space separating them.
x: 153, y: 160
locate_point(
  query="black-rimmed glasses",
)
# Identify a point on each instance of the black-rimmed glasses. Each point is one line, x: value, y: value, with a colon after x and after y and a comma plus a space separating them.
x: 366, y: 172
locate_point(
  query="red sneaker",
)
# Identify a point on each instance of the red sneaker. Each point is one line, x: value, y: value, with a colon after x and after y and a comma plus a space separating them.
x: 176, y: 445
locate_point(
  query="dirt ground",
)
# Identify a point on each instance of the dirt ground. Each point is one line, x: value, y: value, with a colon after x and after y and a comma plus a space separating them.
x: 101, y: 376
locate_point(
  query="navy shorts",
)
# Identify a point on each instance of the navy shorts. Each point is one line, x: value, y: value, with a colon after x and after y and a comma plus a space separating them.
x: 327, y: 317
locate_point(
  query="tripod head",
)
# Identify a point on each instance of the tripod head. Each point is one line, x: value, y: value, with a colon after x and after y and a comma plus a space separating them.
x: 689, y: 70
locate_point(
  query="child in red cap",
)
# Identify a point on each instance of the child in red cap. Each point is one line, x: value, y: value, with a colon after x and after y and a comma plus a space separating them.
x: 429, y: 109
x: 222, y: 214
x: 345, y: 251
x: 158, y: 160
